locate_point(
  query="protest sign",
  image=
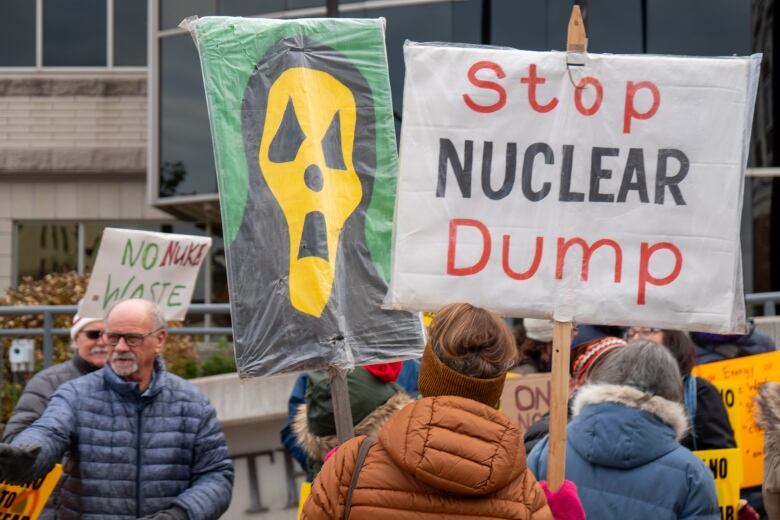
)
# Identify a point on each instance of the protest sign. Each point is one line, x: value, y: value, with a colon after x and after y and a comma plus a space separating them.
x: 726, y: 468
x: 747, y: 374
x: 597, y: 194
x: 26, y: 501
x: 161, y: 267
x: 304, y: 142
x: 732, y: 400
x: 526, y: 398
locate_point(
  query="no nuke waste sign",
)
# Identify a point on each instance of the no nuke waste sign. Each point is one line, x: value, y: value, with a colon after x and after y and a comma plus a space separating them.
x: 161, y: 267
x: 607, y: 193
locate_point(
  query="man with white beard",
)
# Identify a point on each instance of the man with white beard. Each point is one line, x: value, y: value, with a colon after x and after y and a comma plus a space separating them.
x: 141, y: 442
x: 90, y: 353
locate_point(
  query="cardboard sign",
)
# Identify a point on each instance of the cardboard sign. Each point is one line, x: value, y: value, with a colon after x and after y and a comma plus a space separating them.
x: 726, y: 468
x: 161, y: 267
x: 304, y: 141
x: 732, y: 400
x: 26, y: 501
x: 745, y: 374
x: 595, y: 194
x: 526, y: 398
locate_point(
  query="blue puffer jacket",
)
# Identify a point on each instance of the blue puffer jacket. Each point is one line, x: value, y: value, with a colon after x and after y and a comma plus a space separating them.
x: 623, y: 454
x: 131, y: 454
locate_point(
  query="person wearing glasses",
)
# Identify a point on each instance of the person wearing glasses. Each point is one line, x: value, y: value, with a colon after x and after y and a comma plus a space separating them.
x: 142, y: 442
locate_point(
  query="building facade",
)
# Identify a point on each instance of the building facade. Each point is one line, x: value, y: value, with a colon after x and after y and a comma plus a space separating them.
x: 103, y: 122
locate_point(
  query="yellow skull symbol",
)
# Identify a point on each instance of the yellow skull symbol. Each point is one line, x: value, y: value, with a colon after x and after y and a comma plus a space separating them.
x: 306, y: 159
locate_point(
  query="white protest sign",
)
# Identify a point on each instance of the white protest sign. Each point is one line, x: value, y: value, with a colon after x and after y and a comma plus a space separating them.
x: 607, y: 193
x: 162, y: 267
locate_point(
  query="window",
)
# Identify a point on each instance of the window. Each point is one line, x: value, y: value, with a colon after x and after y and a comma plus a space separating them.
x: 17, y: 33
x: 129, y: 33
x: 71, y: 33
x: 186, y: 152
x: 46, y: 248
x: 74, y: 36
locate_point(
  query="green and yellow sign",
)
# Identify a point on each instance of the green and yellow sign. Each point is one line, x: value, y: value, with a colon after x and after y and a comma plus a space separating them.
x: 304, y: 139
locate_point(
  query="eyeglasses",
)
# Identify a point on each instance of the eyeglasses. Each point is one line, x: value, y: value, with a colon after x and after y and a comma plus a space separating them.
x: 132, y: 340
x: 94, y: 335
x: 641, y: 331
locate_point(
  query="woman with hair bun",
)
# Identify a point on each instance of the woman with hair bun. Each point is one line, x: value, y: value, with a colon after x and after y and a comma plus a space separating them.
x: 451, y: 453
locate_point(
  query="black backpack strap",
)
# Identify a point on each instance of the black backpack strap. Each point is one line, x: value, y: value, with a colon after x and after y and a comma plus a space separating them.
x: 361, y: 457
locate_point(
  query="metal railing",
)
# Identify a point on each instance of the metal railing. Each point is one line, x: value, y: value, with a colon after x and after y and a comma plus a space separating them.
x: 49, y: 311
x: 767, y: 300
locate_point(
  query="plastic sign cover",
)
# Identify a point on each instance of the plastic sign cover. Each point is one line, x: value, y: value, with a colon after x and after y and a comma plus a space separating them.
x: 304, y: 140
x: 604, y: 193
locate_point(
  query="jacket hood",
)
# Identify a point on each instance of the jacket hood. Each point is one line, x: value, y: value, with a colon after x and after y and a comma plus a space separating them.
x: 317, y: 446
x: 456, y: 445
x: 622, y: 427
x: 768, y: 406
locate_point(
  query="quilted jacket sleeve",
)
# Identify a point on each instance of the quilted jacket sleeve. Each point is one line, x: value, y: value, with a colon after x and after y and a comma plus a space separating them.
x: 211, y: 487
x: 53, y: 432
x: 535, y: 499
x: 329, y: 490
x: 30, y: 406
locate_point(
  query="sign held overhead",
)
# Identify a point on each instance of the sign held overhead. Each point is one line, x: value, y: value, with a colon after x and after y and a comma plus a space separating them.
x: 606, y: 193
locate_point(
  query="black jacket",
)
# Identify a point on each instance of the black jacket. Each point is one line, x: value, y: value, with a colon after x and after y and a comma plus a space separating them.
x: 711, y: 423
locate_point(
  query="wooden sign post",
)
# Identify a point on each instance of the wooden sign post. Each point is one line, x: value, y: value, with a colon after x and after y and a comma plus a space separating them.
x: 559, y: 404
x: 576, y: 41
x: 342, y: 408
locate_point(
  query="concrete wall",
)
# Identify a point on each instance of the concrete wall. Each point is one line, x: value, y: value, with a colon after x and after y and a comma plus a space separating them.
x: 252, y: 413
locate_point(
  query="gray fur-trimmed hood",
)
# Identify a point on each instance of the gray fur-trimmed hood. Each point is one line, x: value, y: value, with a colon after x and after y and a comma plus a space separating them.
x: 671, y: 413
x: 316, y: 447
x: 768, y: 406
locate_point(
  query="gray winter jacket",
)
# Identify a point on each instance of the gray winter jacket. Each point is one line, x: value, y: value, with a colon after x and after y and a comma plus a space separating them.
x: 132, y: 454
x: 39, y: 390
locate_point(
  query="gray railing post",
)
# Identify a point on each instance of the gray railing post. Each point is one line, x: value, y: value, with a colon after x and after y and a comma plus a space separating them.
x: 48, y: 342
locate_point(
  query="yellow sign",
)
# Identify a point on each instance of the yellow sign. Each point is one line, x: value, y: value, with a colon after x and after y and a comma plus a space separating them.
x: 729, y: 394
x: 745, y: 375
x: 304, y: 494
x: 726, y: 468
x: 25, y: 501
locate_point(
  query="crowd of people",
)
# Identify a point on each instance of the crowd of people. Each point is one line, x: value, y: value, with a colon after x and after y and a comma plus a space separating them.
x: 430, y: 440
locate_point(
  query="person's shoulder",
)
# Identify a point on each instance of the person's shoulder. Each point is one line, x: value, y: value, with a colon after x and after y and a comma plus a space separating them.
x: 183, y: 389
x: 705, y: 387
x: 55, y: 374
x: 91, y: 381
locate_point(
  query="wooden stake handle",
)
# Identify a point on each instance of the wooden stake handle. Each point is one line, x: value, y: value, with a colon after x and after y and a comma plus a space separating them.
x: 559, y: 405
x: 576, y: 39
x: 342, y: 410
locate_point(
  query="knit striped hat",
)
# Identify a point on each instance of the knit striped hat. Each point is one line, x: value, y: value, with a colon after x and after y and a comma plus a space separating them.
x: 590, y: 354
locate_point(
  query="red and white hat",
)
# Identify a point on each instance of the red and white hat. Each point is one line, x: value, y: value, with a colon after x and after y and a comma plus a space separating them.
x: 79, y: 322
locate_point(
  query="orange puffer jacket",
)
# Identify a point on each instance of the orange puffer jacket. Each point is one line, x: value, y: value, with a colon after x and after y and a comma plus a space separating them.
x: 437, y: 457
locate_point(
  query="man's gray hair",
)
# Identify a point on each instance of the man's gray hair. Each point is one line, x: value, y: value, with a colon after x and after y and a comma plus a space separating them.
x: 644, y: 365
x: 156, y: 314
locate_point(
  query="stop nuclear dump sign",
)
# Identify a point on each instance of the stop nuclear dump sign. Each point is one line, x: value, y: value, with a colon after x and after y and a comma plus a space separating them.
x: 608, y: 193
